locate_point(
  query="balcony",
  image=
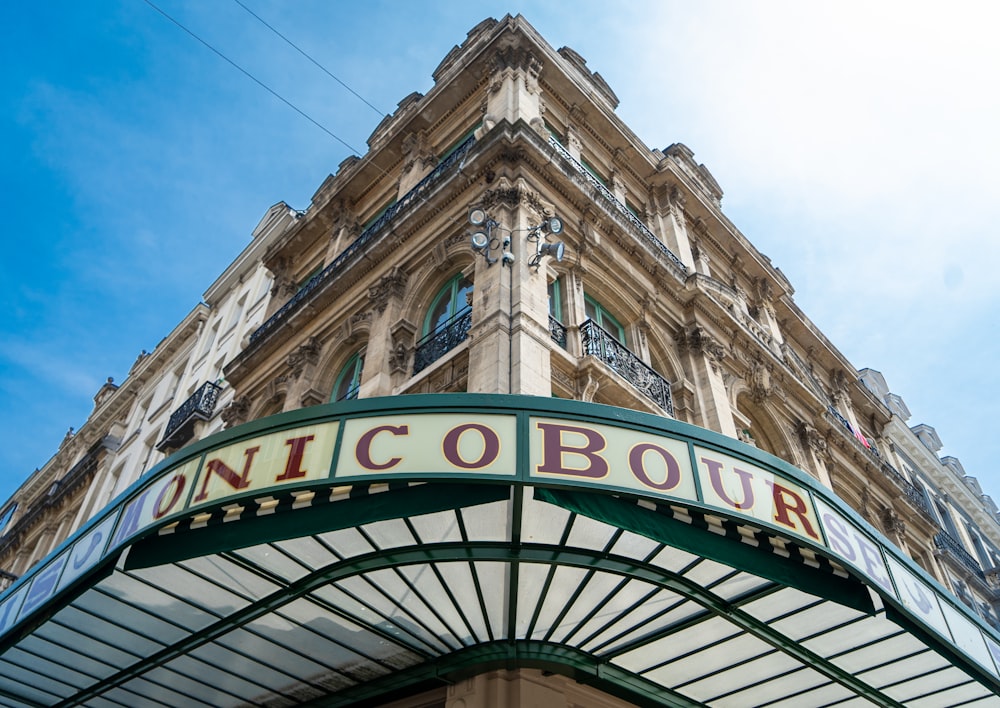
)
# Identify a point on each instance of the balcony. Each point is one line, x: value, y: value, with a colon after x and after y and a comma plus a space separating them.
x: 912, y: 493
x: 359, y: 245
x: 199, y: 406
x: 557, y: 331
x: 946, y: 542
x: 619, y: 208
x: 442, y: 340
x: 599, y: 343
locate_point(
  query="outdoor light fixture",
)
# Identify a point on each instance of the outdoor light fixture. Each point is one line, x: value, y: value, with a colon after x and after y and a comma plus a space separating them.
x: 555, y: 249
x: 484, y: 242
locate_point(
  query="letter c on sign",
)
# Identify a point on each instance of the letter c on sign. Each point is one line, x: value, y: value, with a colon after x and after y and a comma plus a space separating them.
x: 363, y: 451
x: 491, y: 446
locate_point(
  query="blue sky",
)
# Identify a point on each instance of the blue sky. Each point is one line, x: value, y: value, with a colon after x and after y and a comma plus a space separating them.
x: 856, y: 144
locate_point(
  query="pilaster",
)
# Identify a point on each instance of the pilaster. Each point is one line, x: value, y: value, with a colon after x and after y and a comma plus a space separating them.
x: 668, y: 202
x: 390, y: 338
x: 513, y: 92
x: 705, y: 357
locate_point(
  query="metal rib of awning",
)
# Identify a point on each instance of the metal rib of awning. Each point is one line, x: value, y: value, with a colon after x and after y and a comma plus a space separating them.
x: 350, y: 594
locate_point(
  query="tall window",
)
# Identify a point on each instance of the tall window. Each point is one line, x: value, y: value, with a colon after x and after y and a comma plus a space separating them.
x: 555, y: 299
x: 349, y: 379
x: 452, y: 300
x: 446, y: 324
x: 596, y: 312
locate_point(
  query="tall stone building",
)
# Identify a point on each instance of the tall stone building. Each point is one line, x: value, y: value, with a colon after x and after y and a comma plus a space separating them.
x: 639, y: 474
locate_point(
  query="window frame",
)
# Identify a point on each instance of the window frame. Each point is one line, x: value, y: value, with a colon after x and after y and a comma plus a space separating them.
x: 604, y: 319
x: 351, y: 371
x: 452, y: 289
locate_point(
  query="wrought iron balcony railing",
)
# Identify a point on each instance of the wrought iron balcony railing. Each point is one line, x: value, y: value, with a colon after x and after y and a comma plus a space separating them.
x: 600, y: 343
x: 947, y: 542
x: 199, y: 406
x: 910, y: 490
x: 620, y: 208
x: 360, y: 243
x: 442, y: 340
x: 557, y: 330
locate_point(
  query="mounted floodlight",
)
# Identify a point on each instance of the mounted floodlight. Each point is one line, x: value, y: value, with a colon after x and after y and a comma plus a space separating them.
x: 484, y: 242
x: 480, y: 241
x: 477, y: 216
x: 555, y: 249
x: 536, y: 235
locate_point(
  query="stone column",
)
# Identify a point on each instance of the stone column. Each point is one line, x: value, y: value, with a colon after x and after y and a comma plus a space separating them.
x: 418, y: 161
x: 817, y: 452
x: 490, y: 342
x: 302, y: 375
x: 390, y: 340
x: 705, y: 356
x: 513, y: 92
x: 670, y: 224
x: 532, y: 342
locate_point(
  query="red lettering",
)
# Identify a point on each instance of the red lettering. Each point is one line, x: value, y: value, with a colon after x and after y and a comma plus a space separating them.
x: 782, y: 496
x: 636, y: 459
x: 553, y: 450
x: 236, y: 481
x: 715, y: 475
x: 491, y: 446
x: 177, y: 484
x: 363, y: 451
x: 293, y: 467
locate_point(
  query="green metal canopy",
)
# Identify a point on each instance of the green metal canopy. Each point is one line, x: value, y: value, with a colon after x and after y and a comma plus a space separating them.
x: 411, y: 542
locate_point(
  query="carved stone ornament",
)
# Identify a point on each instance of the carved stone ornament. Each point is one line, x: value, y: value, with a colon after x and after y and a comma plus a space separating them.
x: 893, y: 522
x: 812, y: 439
x: 840, y: 380
x: 398, y: 358
x: 416, y: 149
x: 392, y: 284
x: 513, y: 61
x: 305, y: 353
x: 237, y: 412
x: 697, y: 341
x: 759, y: 380
x: 508, y: 194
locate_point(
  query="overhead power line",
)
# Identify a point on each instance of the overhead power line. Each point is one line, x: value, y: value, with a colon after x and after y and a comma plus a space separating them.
x: 258, y: 81
x: 274, y: 93
x: 322, y: 68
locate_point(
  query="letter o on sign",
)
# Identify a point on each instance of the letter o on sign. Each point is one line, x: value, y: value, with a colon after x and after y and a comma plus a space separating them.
x: 637, y: 464
x: 452, y: 440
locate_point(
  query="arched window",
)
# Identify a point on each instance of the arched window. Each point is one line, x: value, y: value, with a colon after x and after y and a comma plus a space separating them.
x: 349, y: 379
x: 450, y: 301
x: 596, y: 312
x: 446, y: 324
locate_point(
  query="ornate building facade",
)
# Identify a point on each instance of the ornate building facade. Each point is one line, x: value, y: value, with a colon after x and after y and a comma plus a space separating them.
x: 645, y: 476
